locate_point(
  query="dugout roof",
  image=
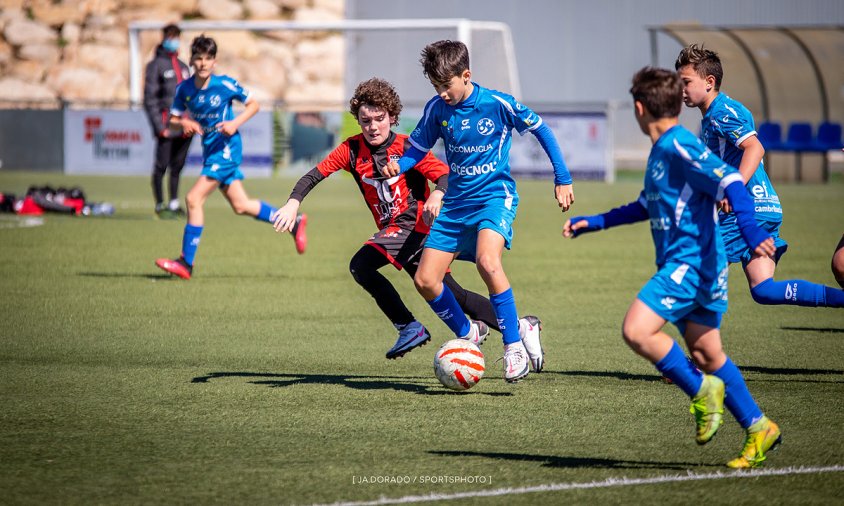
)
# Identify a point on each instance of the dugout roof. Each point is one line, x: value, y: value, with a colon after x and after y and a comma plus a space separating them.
x: 782, y: 74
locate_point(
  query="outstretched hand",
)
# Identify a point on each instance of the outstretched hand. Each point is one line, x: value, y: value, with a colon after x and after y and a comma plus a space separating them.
x: 564, y: 193
x: 581, y: 224
x: 391, y: 169
x: 285, y: 217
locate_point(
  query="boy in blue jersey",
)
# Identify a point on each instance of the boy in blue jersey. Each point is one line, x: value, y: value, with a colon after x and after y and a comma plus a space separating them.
x: 475, y: 222
x: 727, y: 128
x: 683, y: 183
x: 208, y: 98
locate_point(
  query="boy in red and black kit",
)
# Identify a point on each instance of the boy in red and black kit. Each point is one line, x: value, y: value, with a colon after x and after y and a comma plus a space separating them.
x: 163, y: 73
x: 403, y: 208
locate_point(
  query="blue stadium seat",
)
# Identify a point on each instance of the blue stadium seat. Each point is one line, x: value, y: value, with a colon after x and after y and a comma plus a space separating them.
x: 828, y: 138
x: 799, y: 137
x: 770, y: 135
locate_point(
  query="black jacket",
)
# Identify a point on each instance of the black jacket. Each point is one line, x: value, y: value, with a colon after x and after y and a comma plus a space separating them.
x: 160, y: 86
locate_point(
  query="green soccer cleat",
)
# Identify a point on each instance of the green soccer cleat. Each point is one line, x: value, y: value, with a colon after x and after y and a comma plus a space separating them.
x: 708, y: 408
x: 762, y: 437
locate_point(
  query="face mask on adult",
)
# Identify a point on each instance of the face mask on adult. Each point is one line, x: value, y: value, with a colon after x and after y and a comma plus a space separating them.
x: 171, y: 45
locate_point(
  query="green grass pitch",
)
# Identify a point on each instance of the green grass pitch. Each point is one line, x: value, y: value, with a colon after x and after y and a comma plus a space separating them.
x: 263, y: 379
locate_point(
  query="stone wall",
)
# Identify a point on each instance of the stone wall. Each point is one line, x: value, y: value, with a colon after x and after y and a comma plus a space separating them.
x: 77, y: 50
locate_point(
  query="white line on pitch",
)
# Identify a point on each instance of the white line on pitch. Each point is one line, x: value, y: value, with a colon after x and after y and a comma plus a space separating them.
x: 610, y: 482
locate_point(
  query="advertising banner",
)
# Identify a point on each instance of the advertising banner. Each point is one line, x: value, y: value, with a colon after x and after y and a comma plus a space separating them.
x: 99, y: 141
x: 584, y: 140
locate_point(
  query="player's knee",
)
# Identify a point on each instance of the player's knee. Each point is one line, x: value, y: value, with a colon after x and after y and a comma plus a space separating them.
x: 633, y: 334
x: 488, y: 265
x: 765, y: 293
x: 838, y: 265
x: 359, y: 271
x: 193, y: 200
x: 425, y: 283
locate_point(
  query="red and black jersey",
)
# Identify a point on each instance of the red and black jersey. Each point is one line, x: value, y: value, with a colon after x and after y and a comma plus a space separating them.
x: 396, y: 201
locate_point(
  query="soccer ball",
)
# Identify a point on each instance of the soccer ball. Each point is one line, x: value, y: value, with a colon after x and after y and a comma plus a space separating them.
x: 459, y: 364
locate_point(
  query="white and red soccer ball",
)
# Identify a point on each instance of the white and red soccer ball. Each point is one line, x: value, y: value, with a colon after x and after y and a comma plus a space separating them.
x: 459, y: 364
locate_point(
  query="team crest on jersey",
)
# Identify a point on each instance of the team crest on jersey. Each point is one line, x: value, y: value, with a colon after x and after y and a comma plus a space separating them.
x: 215, y: 100
x: 486, y: 126
x: 658, y: 170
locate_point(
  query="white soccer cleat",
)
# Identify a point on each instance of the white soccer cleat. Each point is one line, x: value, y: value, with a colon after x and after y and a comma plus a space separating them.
x: 412, y: 335
x: 515, y: 362
x: 477, y: 333
x: 529, y: 330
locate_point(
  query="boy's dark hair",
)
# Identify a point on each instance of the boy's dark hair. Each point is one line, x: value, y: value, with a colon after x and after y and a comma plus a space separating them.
x: 203, y: 45
x: 171, y: 31
x: 379, y: 93
x: 703, y: 61
x: 659, y: 90
x: 443, y: 60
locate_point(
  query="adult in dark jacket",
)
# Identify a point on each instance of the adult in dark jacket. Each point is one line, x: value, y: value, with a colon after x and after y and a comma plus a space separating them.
x: 163, y: 73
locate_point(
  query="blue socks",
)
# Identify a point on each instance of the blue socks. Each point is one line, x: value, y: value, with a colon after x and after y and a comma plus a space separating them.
x: 450, y: 312
x: 265, y: 212
x: 679, y: 369
x: 505, y: 312
x: 190, y: 241
x: 796, y: 292
x: 737, y: 398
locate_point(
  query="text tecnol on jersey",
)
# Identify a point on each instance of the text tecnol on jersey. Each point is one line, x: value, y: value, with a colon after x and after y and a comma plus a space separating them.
x: 473, y: 170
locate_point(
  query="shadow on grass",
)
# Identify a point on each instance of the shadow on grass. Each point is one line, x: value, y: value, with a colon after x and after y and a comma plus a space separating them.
x: 358, y: 382
x: 124, y: 275
x: 164, y: 276
x: 788, y: 371
x: 815, y: 329
x: 570, y: 462
x: 624, y: 376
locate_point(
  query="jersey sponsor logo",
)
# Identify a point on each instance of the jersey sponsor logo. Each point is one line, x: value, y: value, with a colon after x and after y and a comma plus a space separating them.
x: 473, y: 170
x: 661, y: 223
x: 485, y: 126
x: 760, y: 191
x: 469, y: 149
x: 389, y: 199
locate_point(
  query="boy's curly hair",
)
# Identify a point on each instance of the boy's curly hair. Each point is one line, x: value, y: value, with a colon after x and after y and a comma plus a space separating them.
x: 379, y: 93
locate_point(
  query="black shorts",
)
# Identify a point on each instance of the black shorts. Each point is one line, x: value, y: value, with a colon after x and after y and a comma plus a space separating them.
x: 400, y: 246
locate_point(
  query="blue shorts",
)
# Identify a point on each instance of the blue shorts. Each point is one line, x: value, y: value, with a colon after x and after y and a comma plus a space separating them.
x: 456, y: 230
x: 675, y: 293
x: 225, y: 175
x: 737, y: 249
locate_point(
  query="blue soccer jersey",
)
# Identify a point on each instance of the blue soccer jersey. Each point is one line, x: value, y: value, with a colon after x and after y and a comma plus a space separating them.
x: 210, y: 106
x: 683, y: 182
x: 476, y: 133
x: 726, y: 124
